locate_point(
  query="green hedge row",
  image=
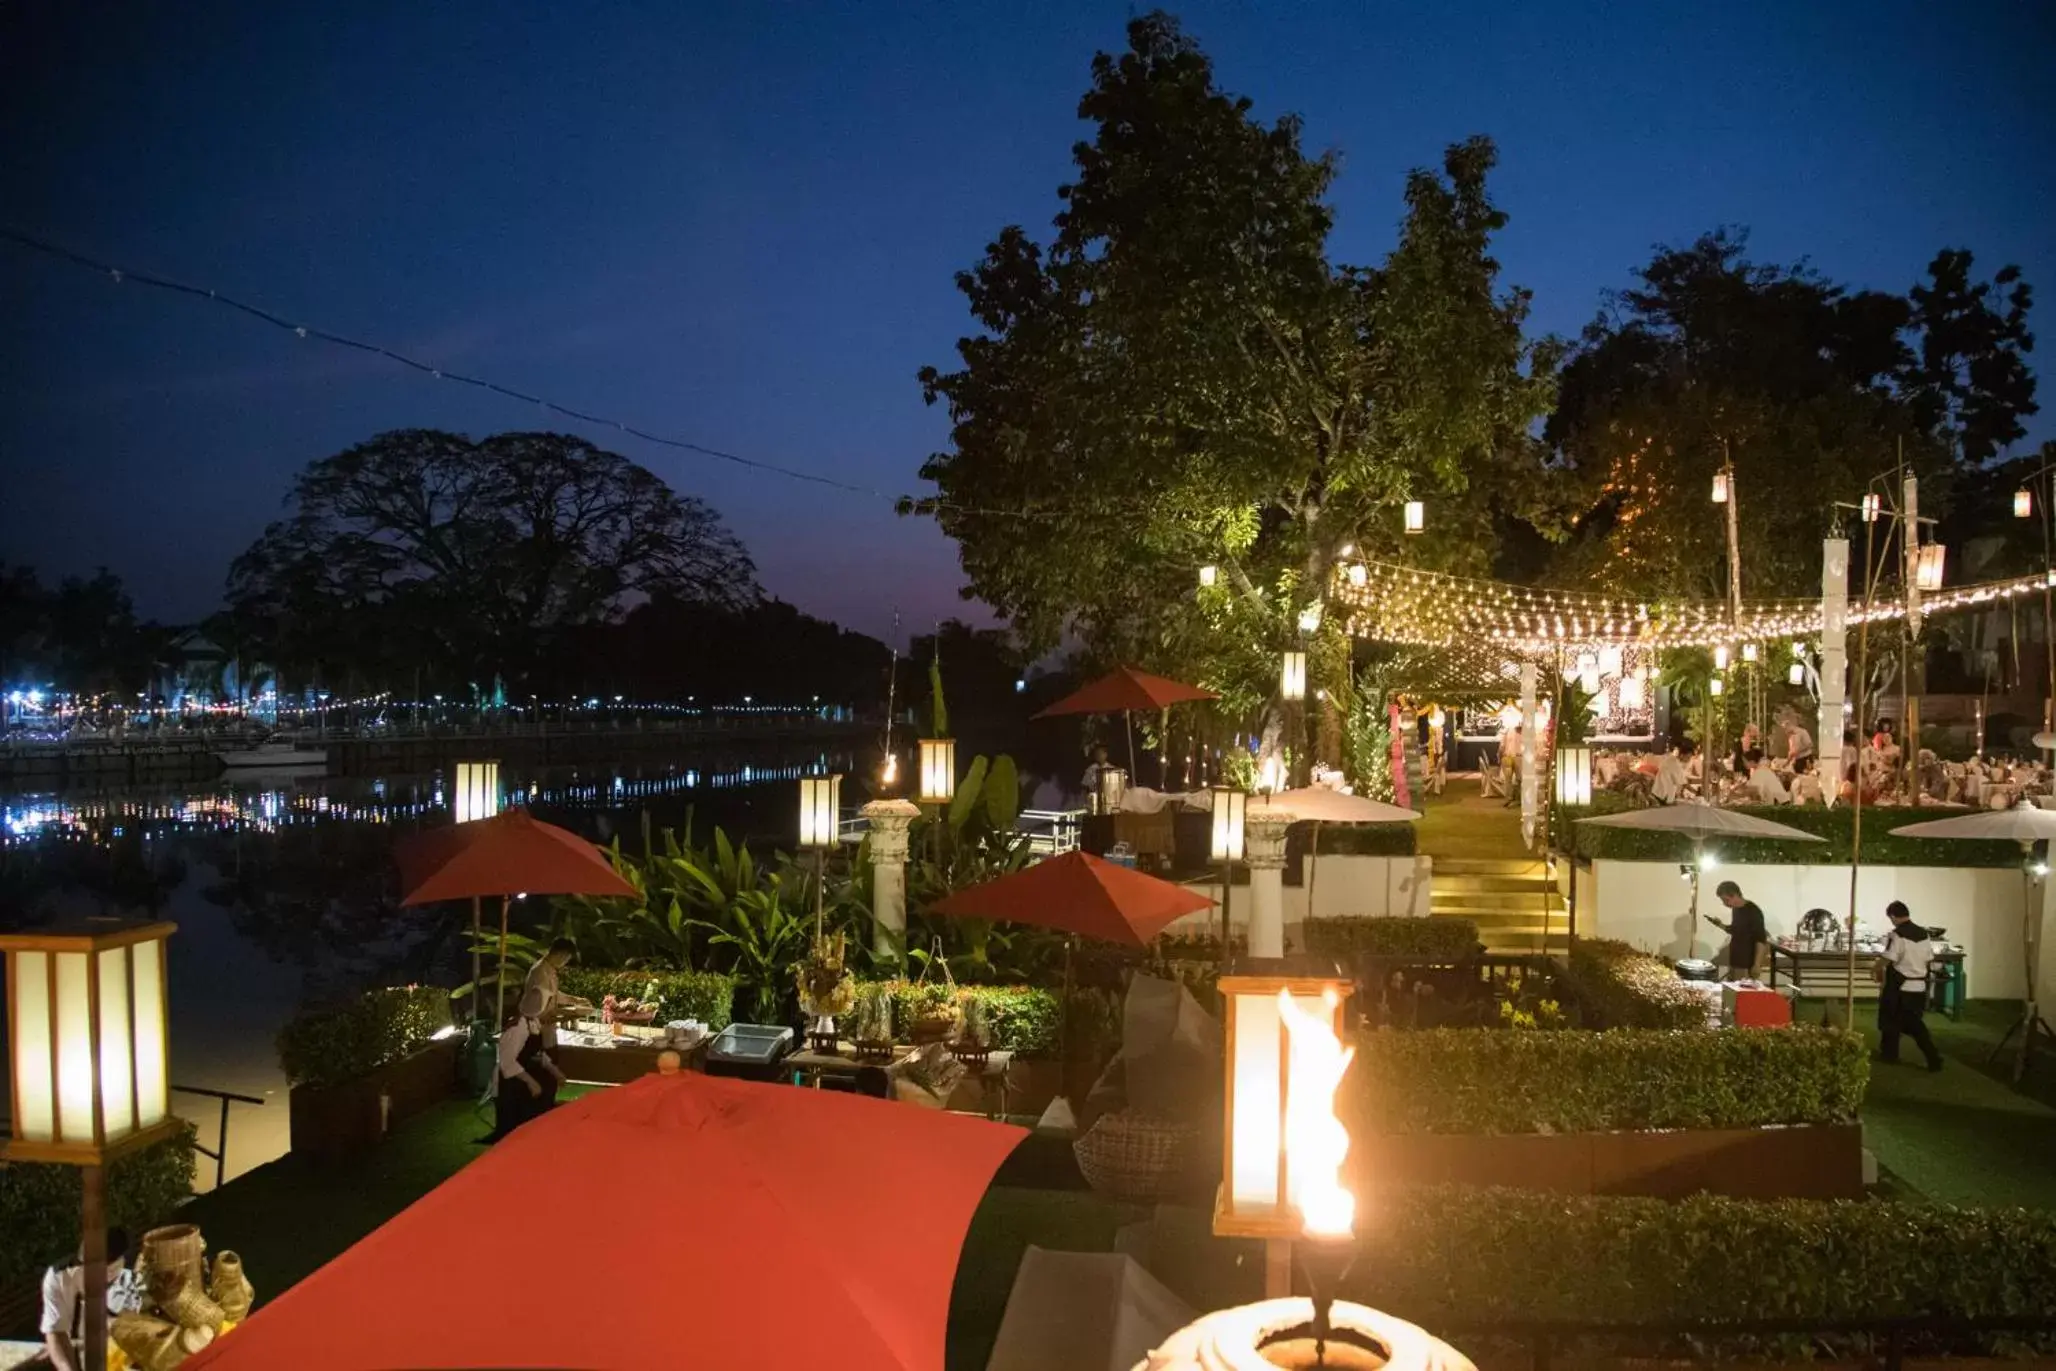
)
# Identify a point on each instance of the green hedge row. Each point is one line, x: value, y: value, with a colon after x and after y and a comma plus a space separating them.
x: 706, y: 996
x: 1366, y: 840
x: 1451, y: 1256
x: 39, y: 1204
x: 1025, y: 1020
x: 1456, y: 1080
x: 326, y: 1047
x: 1617, y: 986
x: 1837, y: 825
x: 1437, y: 940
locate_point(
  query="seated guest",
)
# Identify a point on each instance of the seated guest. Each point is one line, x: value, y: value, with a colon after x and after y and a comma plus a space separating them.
x: 1798, y: 742
x: 1764, y: 783
x: 1806, y: 789
x: 1672, y: 772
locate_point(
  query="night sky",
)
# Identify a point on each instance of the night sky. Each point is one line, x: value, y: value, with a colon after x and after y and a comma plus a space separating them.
x: 738, y: 223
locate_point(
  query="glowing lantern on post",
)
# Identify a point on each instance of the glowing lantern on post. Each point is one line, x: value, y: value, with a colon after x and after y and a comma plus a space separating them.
x: 1359, y: 573
x: 1284, y: 1148
x: 1720, y: 657
x: 86, y: 1032
x: 1928, y: 571
x: 1716, y: 686
x: 1574, y: 775
x: 478, y: 791
x: 1873, y: 505
x: 1748, y: 652
x: 820, y: 810
x: 1416, y: 516
x: 1292, y: 676
x: 1797, y: 674
x: 2023, y: 503
x: 1208, y: 575
x: 1231, y: 808
x: 1720, y: 487
x: 938, y: 770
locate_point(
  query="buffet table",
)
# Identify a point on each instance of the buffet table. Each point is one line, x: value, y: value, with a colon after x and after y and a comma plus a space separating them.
x: 590, y: 1053
x: 1823, y: 973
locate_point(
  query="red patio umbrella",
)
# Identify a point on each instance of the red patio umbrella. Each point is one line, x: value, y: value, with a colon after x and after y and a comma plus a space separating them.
x: 512, y: 853
x: 1079, y: 893
x: 815, y: 1267
x: 1122, y: 692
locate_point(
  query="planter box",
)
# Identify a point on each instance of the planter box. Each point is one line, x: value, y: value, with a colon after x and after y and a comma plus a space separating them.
x: 335, y: 1123
x: 1823, y: 1162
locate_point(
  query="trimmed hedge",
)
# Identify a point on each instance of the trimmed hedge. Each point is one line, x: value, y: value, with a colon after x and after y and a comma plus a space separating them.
x: 1617, y: 986
x: 1837, y: 825
x: 1433, y: 940
x: 704, y: 995
x: 39, y: 1204
x: 1025, y: 1019
x: 326, y: 1047
x: 1447, y: 1257
x: 1367, y: 840
x: 1456, y: 1080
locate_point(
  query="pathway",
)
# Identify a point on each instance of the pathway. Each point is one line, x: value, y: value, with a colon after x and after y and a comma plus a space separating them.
x: 1484, y: 873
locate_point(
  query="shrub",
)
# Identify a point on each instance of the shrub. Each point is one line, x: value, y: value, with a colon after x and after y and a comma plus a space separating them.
x: 1431, y: 940
x: 1023, y: 1019
x: 326, y: 1047
x: 1616, y: 986
x: 1837, y: 825
x: 704, y: 995
x: 1453, y: 1080
x: 1366, y: 840
x: 1448, y: 1256
x: 39, y: 1203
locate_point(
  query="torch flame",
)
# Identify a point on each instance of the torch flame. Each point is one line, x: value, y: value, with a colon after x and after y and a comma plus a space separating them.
x: 1315, y: 1140
x: 890, y: 775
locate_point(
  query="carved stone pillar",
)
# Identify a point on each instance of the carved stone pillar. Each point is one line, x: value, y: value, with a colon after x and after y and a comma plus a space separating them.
x: 1264, y: 850
x: 889, y: 821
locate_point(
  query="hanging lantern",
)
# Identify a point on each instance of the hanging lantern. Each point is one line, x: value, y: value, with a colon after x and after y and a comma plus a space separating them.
x: 1748, y: 652
x: 820, y: 810
x: 1720, y: 657
x: 1416, y: 516
x: 1281, y: 1165
x: 1631, y: 693
x: 1928, y: 570
x: 1873, y: 505
x: 1310, y: 618
x: 1208, y: 575
x: 1609, y: 661
x: 1292, y: 676
x: 1358, y: 573
x: 86, y: 1025
x: 1231, y: 808
x: 938, y: 770
x: 1716, y: 686
x: 1799, y: 650
x: 1574, y: 775
x: 1797, y: 675
x: 478, y: 791
x: 2023, y: 503
x: 1720, y: 487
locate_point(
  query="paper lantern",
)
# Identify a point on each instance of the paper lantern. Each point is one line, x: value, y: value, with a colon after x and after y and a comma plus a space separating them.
x: 1720, y: 487
x: 1797, y: 675
x: 1720, y: 657
x: 2023, y: 503
x: 1416, y: 516
x: 1927, y: 572
x: 1284, y: 1148
x: 1873, y: 505
x: 86, y: 1028
x: 1631, y: 694
x: 1574, y: 775
x: 938, y: 770
x: 1748, y: 652
x: 1798, y: 650
x: 1359, y: 573
x: 478, y: 791
x: 820, y: 810
x: 1231, y: 809
x: 1209, y: 574
x: 1292, y: 676
x: 1310, y: 618
x: 1610, y: 661
x: 1716, y: 686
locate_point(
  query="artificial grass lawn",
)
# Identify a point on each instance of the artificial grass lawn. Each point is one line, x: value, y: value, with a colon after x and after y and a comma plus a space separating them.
x: 1461, y: 822
x: 1963, y: 1135
x: 291, y: 1216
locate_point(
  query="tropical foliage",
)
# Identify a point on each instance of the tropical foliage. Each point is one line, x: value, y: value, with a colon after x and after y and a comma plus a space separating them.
x: 326, y: 1047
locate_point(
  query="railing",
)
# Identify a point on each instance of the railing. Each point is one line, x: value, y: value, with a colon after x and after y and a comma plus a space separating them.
x: 219, y: 1152
x: 1050, y: 832
x: 1542, y: 1339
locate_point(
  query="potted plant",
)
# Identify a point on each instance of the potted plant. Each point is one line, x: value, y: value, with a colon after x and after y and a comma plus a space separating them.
x: 826, y: 989
x: 932, y: 1011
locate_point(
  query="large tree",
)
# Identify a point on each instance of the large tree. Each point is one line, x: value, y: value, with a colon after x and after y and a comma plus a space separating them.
x: 471, y: 558
x: 1182, y: 377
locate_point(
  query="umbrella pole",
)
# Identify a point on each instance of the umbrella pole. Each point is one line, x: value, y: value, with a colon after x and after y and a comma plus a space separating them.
x: 1692, y: 914
x: 1064, y: 1026
x: 500, y: 992
x: 1128, y: 718
x: 475, y: 963
x: 1313, y: 871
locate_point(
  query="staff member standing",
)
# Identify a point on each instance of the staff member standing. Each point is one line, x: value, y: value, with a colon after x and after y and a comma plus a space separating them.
x: 528, y: 1078
x: 543, y: 976
x: 1747, y: 937
x: 1905, y: 962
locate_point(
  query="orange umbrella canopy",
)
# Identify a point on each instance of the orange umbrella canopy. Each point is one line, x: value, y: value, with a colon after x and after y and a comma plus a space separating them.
x: 1124, y: 690
x: 511, y: 853
x: 656, y: 1169
x: 1079, y: 893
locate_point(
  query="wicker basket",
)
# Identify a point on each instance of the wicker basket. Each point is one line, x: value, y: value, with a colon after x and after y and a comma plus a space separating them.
x: 1132, y: 1155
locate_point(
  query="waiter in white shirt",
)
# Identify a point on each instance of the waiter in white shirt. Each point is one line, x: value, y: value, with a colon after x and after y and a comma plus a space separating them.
x: 528, y: 1078
x: 64, y: 1303
x: 1905, y: 962
x: 543, y: 976
x: 1764, y: 782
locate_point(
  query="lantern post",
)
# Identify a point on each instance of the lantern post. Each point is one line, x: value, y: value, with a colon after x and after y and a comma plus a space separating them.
x: 477, y: 796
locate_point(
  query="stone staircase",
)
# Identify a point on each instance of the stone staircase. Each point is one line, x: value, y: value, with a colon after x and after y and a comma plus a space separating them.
x: 1514, y: 903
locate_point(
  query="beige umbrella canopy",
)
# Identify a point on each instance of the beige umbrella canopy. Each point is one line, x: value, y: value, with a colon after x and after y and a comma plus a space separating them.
x: 2027, y: 825
x: 1319, y: 805
x: 1700, y: 821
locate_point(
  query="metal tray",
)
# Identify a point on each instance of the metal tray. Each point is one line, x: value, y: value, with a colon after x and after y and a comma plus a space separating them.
x: 752, y: 1043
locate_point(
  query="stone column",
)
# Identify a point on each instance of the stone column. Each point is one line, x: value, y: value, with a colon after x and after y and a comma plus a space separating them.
x: 1263, y: 847
x: 1531, y: 749
x: 889, y: 821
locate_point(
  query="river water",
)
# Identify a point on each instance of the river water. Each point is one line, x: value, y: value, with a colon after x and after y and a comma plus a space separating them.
x: 285, y: 894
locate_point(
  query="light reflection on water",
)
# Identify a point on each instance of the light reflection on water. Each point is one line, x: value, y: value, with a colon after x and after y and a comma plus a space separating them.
x: 284, y: 889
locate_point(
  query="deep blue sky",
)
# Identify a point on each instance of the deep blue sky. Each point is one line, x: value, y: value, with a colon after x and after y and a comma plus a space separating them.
x: 739, y: 222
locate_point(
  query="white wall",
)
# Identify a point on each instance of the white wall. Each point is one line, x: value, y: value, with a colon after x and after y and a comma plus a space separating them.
x: 1643, y: 903
x: 1343, y: 886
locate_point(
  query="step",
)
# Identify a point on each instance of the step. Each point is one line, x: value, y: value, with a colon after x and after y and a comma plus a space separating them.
x: 1469, y: 883
x: 1482, y: 915
x: 1488, y: 866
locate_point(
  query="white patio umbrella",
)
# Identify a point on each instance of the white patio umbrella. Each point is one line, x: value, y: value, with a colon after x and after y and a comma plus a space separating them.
x: 1320, y: 805
x: 1700, y: 821
x: 2027, y: 825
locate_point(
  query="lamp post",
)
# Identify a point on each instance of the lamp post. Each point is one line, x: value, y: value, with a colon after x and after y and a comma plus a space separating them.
x: 477, y: 796
x: 1292, y: 691
x: 1230, y: 825
x: 2024, y: 501
x: 86, y: 1027
x: 938, y: 783
x: 820, y: 812
x: 1724, y: 493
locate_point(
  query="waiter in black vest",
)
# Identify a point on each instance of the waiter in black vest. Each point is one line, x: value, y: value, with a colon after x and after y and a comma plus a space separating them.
x: 1905, y: 962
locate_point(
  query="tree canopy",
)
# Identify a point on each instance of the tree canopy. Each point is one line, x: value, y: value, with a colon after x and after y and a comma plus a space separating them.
x: 479, y: 556
x: 1182, y: 377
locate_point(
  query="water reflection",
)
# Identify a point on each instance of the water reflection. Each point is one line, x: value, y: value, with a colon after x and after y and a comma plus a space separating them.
x: 285, y: 892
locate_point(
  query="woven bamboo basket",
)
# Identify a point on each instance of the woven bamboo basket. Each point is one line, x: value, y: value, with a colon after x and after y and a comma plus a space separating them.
x: 175, y: 1249
x: 1132, y: 1155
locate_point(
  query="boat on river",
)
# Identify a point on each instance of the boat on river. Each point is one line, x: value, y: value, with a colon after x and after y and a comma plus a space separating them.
x: 275, y: 756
